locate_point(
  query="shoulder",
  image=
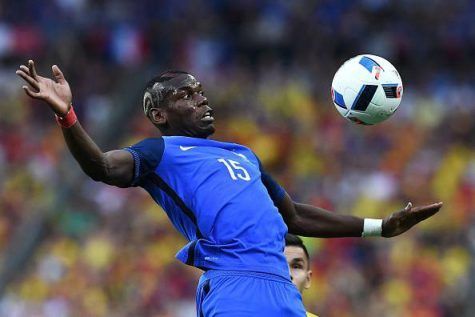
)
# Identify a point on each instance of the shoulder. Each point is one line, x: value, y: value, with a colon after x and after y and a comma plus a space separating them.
x: 147, y: 147
x: 149, y: 143
x: 147, y: 154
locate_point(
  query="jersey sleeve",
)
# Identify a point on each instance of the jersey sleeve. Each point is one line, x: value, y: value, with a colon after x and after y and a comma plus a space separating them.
x: 147, y: 155
x: 276, y: 192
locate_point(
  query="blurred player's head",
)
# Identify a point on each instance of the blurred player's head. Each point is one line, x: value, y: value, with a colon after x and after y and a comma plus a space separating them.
x: 298, y: 261
x: 175, y: 104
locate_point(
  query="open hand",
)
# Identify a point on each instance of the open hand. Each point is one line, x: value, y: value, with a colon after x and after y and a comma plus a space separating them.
x: 55, y: 92
x: 401, y: 221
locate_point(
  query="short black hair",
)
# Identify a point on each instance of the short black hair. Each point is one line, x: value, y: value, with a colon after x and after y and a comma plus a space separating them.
x: 156, y: 89
x: 296, y: 241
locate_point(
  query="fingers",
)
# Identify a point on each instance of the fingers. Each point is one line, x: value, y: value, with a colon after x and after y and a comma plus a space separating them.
x: 401, y: 221
x: 25, y: 75
x: 30, y: 92
x: 58, y: 74
x: 25, y: 69
x: 31, y: 67
x: 424, y: 212
x: 435, y: 206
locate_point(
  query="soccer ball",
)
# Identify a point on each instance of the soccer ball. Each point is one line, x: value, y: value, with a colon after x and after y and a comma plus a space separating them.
x: 366, y: 89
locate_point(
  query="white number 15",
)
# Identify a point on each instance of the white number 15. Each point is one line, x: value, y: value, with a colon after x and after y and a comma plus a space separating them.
x: 235, y: 169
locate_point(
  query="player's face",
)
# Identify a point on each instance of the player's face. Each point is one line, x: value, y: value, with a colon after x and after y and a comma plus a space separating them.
x: 298, y: 266
x: 187, y: 111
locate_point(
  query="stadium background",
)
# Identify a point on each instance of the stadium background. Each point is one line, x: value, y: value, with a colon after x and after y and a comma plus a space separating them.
x: 73, y: 247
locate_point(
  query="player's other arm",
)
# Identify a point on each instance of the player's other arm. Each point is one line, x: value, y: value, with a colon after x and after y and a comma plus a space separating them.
x: 307, y: 220
x: 114, y: 167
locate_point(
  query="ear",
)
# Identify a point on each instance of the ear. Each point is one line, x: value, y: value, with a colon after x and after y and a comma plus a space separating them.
x: 158, y: 116
x: 308, y: 279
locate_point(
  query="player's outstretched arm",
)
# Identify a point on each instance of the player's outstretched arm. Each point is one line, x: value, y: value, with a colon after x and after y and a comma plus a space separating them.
x: 114, y: 167
x: 312, y: 221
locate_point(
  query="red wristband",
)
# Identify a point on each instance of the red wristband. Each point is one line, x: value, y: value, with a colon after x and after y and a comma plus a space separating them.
x: 68, y: 120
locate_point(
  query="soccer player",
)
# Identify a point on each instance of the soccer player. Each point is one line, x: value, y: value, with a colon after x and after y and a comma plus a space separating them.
x: 216, y: 194
x: 298, y: 260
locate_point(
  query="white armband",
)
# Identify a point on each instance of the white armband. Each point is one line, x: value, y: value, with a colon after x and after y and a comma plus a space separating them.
x: 372, y: 227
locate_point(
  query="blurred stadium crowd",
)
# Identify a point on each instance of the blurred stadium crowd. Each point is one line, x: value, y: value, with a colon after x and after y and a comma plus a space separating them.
x: 72, y: 247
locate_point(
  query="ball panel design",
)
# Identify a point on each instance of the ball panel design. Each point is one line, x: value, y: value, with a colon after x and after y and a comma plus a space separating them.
x: 367, y: 89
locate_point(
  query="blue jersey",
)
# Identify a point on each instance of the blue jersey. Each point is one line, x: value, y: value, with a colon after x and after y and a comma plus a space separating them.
x: 218, y: 197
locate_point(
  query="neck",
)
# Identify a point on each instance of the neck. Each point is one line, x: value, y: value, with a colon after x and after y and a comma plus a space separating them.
x: 182, y: 133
